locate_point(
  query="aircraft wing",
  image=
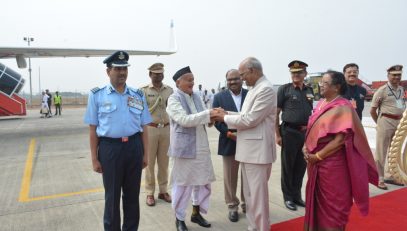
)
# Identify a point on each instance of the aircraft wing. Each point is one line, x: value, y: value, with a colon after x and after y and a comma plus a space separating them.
x: 38, y: 52
x: 21, y: 53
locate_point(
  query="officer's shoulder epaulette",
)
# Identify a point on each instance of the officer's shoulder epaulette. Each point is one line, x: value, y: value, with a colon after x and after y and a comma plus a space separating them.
x: 168, y: 86
x: 145, y: 86
x: 96, y: 89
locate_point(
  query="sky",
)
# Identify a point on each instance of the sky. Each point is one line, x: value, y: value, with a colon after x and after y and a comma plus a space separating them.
x: 212, y: 37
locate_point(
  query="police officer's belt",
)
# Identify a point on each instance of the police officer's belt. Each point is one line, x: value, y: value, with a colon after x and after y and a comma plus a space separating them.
x: 159, y: 125
x: 119, y: 140
x: 395, y: 117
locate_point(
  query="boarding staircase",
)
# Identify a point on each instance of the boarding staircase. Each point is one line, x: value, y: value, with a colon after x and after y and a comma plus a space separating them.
x: 10, y: 85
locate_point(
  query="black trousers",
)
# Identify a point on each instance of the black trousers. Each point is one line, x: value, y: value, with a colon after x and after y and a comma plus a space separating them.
x: 293, y: 165
x: 122, y: 163
x: 49, y: 106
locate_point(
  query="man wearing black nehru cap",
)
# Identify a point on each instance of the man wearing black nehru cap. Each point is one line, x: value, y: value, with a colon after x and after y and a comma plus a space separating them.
x: 192, y: 171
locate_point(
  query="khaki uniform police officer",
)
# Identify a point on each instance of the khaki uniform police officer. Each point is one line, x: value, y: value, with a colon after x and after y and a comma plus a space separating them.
x: 157, y: 95
x: 388, y: 106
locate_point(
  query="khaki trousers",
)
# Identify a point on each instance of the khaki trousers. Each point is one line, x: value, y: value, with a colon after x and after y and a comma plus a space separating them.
x: 256, y: 193
x: 386, y: 128
x: 230, y: 176
x: 158, y: 143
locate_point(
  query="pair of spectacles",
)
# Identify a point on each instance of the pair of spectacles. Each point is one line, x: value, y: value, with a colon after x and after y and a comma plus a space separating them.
x: 233, y: 79
x: 323, y: 84
x: 243, y: 73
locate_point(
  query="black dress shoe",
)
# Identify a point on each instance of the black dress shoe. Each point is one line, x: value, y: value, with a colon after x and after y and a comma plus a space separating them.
x: 200, y: 220
x: 233, y: 216
x: 290, y: 205
x: 300, y: 202
x: 180, y: 225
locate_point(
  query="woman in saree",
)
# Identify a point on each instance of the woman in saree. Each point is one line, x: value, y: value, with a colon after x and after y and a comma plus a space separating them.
x: 340, y: 162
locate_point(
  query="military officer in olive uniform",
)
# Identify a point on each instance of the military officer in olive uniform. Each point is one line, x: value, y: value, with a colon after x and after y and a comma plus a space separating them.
x: 157, y: 95
x: 387, y: 108
x: 117, y: 116
x: 294, y: 100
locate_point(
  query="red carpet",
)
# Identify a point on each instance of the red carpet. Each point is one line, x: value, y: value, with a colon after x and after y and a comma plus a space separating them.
x: 387, y: 212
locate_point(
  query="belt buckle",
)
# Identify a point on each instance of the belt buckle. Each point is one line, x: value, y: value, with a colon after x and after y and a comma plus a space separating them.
x: 160, y: 125
x: 125, y: 139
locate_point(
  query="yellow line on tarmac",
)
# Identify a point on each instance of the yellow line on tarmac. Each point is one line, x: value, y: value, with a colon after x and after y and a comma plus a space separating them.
x: 65, y: 194
x: 26, y: 181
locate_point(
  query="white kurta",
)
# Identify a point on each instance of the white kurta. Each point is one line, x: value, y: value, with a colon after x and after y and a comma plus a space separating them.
x: 186, y: 171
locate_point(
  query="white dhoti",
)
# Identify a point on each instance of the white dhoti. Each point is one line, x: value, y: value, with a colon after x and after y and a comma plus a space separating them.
x: 182, y: 194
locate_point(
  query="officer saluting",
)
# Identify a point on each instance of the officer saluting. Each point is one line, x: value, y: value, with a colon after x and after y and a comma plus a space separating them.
x: 117, y: 116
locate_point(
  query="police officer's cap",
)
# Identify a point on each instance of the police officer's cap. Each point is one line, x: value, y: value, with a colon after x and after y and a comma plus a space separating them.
x: 396, y: 69
x: 297, y: 65
x: 181, y: 72
x: 157, y: 68
x: 117, y: 59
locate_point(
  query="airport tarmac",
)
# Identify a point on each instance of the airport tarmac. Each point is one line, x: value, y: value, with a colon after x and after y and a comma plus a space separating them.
x: 47, y: 182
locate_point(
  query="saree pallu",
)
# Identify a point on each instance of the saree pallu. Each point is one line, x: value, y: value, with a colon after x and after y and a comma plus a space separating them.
x: 341, y: 178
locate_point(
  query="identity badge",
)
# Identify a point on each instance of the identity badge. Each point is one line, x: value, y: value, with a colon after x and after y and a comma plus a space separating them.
x: 400, y: 104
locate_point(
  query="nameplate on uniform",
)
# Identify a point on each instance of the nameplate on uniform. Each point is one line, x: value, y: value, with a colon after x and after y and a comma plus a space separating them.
x: 136, y: 103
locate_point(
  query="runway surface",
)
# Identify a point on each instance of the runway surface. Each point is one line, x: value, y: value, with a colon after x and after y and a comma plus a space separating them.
x: 47, y: 183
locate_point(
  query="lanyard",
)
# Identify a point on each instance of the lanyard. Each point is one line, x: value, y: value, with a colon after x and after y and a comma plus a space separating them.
x: 392, y: 92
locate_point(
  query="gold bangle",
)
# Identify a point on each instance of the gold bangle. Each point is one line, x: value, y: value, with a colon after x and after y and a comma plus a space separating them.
x: 318, y: 157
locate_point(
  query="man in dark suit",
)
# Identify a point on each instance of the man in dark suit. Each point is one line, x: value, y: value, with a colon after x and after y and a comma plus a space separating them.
x: 230, y: 100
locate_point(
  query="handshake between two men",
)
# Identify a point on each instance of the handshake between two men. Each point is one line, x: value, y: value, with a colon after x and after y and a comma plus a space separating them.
x: 217, y: 115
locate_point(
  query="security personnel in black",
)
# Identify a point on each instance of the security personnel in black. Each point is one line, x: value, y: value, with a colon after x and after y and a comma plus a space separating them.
x: 117, y: 116
x: 355, y: 94
x: 294, y: 100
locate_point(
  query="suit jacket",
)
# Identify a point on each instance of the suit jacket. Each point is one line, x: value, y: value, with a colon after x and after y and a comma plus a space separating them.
x: 223, y: 99
x: 255, y: 125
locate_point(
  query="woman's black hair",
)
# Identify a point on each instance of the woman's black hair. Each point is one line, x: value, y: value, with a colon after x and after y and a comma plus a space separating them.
x: 338, y: 79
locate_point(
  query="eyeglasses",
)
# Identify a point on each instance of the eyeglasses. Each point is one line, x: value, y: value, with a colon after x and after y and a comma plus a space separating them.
x: 243, y: 73
x: 323, y: 84
x: 234, y: 79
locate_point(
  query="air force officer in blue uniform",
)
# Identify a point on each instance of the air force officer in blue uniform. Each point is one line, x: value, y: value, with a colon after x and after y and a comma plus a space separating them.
x: 117, y: 116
